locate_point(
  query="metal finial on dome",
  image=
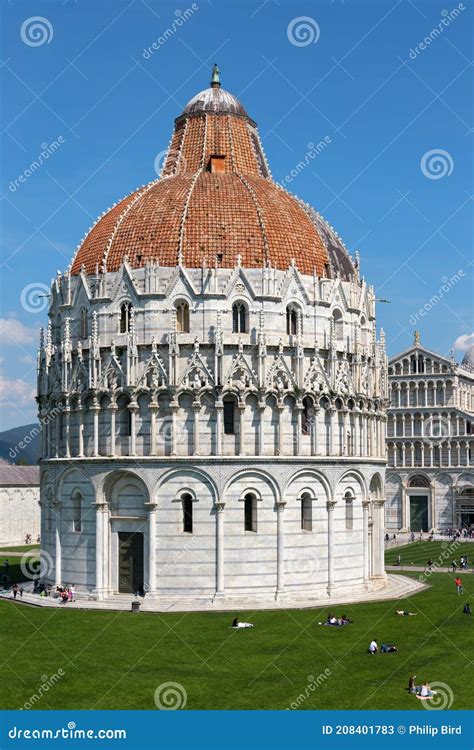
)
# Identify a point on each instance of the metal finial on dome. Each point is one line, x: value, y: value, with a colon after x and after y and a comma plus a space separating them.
x: 215, y: 78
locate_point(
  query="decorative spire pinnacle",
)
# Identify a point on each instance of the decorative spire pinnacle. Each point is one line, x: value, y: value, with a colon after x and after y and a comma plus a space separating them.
x: 215, y: 78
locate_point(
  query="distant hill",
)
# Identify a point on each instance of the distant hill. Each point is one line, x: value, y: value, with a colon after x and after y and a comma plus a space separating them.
x: 27, y: 436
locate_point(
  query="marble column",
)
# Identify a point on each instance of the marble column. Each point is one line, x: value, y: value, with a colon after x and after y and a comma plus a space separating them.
x: 280, y: 507
x: 219, y: 420
x: 314, y: 432
x: 113, y: 410
x: 279, y: 408
x: 153, y: 412
x: 57, y: 539
x: 333, y: 431
x: 133, y: 407
x: 299, y: 427
x: 220, y: 584
x: 330, y: 505
x: 378, y: 541
x: 241, y: 408
x: 365, y: 540
x: 99, y: 549
x: 152, y: 507
x: 261, y: 428
x: 174, y: 415
x: 67, y: 417
x: 196, y: 436
x: 80, y: 428
x: 95, y: 416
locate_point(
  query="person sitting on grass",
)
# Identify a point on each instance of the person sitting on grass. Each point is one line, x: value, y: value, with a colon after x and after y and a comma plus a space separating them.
x: 345, y: 620
x: 467, y: 609
x: 373, y: 647
x: 388, y: 648
x: 237, y: 624
x: 405, y: 613
x: 426, y: 691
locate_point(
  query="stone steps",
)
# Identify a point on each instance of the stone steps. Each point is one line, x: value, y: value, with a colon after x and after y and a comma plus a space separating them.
x: 398, y: 587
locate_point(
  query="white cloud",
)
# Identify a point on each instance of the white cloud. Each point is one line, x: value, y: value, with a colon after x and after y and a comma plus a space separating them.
x: 463, y: 343
x: 14, y: 332
x: 14, y: 391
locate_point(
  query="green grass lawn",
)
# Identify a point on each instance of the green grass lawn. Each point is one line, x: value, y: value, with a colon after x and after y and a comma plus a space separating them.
x: 21, y: 548
x: 418, y: 553
x: 117, y: 660
x: 14, y: 572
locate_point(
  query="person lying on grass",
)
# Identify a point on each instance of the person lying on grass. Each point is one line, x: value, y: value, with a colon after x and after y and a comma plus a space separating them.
x: 405, y: 613
x: 388, y: 648
x: 425, y: 691
x: 237, y: 624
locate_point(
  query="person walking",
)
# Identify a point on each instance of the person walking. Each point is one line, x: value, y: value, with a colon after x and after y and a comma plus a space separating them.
x: 454, y: 565
x: 458, y: 583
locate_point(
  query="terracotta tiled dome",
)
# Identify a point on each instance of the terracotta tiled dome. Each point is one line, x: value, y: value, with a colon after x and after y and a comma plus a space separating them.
x: 215, y: 200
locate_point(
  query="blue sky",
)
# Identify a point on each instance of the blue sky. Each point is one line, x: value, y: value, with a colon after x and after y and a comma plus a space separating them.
x: 394, y: 179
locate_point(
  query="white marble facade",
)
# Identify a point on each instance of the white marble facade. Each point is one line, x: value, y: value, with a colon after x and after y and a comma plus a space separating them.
x: 233, y: 417
x: 430, y: 442
x: 19, y: 503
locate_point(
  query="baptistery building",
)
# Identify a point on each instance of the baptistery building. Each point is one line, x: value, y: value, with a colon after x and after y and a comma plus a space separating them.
x: 212, y: 389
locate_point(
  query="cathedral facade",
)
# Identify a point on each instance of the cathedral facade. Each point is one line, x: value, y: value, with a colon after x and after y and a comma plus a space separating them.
x: 430, y: 441
x: 212, y: 389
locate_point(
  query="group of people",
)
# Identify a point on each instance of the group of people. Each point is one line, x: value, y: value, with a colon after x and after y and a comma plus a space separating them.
x: 337, y: 621
x: 64, y: 593
x: 463, y: 563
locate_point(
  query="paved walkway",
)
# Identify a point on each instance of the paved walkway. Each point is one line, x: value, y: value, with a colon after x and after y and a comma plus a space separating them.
x: 398, y: 587
x: 424, y: 569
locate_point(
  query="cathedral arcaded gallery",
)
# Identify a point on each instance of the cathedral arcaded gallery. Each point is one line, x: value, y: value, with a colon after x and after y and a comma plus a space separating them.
x: 212, y: 389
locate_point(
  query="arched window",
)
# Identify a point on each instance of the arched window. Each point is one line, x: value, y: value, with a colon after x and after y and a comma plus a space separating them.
x: 77, y: 511
x: 349, y: 508
x: 307, y: 416
x: 419, y: 481
x: 306, y: 512
x: 182, y: 317
x: 291, y: 320
x: 83, y: 324
x: 187, y: 501
x: 239, y: 318
x: 229, y: 416
x: 125, y: 310
x: 338, y: 326
x: 123, y: 420
x: 250, y: 512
